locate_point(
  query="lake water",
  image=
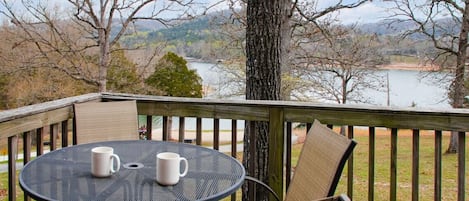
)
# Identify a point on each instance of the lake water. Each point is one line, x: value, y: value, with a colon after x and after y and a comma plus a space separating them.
x: 409, y: 88
x: 406, y: 87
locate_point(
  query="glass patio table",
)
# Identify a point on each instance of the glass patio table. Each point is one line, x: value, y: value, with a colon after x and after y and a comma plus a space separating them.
x: 65, y: 174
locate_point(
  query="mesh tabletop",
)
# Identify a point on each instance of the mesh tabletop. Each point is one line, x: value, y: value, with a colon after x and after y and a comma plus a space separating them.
x: 65, y: 174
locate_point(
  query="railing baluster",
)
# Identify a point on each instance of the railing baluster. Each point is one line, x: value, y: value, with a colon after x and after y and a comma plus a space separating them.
x: 149, y: 133
x: 166, y: 128
x: 288, y: 157
x: 251, y: 166
x: 27, y: 147
x: 415, y: 164
x: 40, y: 141
x: 74, y: 131
x: 12, y: 156
x: 438, y: 160
x: 371, y: 164
x: 182, y: 128
x: 26, y: 152
x: 461, y: 166
x: 54, y: 131
x: 65, y: 133
x: 234, y: 137
x: 198, y: 131
x: 234, y: 140
x: 393, y: 187
x: 350, y: 166
x: 216, y: 134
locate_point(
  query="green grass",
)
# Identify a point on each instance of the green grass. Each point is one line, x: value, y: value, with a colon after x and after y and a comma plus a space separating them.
x: 404, y: 170
x: 382, y: 170
x: 4, y: 188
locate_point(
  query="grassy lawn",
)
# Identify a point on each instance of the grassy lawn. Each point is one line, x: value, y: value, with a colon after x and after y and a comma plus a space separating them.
x: 404, y: 168
x: 382, y: 170
x: 4, y: 188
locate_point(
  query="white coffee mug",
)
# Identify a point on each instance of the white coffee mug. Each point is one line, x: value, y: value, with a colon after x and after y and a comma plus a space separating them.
x: 168, y: 168
x: 102, y: 161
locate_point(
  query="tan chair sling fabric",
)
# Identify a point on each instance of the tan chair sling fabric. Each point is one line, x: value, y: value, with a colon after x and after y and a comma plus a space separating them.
x: 320, y: 164
x: 105, y: 121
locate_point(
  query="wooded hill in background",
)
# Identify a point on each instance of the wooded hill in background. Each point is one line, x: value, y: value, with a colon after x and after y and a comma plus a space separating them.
x: 199, y: 37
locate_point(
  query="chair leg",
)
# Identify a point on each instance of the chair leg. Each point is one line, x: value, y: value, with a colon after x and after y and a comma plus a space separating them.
x: 249, y: 178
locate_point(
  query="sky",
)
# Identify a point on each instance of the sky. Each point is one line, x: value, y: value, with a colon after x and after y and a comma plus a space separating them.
x: 367, y: 13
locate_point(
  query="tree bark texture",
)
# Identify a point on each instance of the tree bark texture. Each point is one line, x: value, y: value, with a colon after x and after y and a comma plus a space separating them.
x: 266, y: 42
x: 104, y: 51
x: 457, y: 87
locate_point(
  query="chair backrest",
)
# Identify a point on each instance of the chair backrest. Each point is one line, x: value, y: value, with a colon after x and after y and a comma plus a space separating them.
x: 105, y: 121
x: 320, y: 164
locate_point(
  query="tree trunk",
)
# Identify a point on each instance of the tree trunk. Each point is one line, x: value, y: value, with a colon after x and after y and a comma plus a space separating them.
x: 104, y: 58
x: 457, y: 87
x: 453, y: 143
x: 266, y: 41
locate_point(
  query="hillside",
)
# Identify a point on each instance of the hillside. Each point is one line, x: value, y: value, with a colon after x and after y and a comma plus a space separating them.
x: 197, y: 37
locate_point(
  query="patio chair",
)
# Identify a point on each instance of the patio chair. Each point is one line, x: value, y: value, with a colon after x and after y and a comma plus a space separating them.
x: 319, y: 167
x: 105, y: 121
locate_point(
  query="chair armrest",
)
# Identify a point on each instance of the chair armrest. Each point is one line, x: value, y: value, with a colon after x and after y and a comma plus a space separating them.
x: 257, y: 181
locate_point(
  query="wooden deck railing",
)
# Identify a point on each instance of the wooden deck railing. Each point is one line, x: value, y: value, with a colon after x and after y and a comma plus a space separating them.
x: 56, y: 117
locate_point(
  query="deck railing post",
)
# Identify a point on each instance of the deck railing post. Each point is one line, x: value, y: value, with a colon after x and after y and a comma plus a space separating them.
x: 276, y: 147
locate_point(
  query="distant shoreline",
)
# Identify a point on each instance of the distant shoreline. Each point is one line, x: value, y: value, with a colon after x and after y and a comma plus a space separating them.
x: 392, y: 66
x: 409, y: 66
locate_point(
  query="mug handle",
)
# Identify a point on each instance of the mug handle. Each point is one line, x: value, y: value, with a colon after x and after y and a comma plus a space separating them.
x: 186, y: 167
x: 118, y: 161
